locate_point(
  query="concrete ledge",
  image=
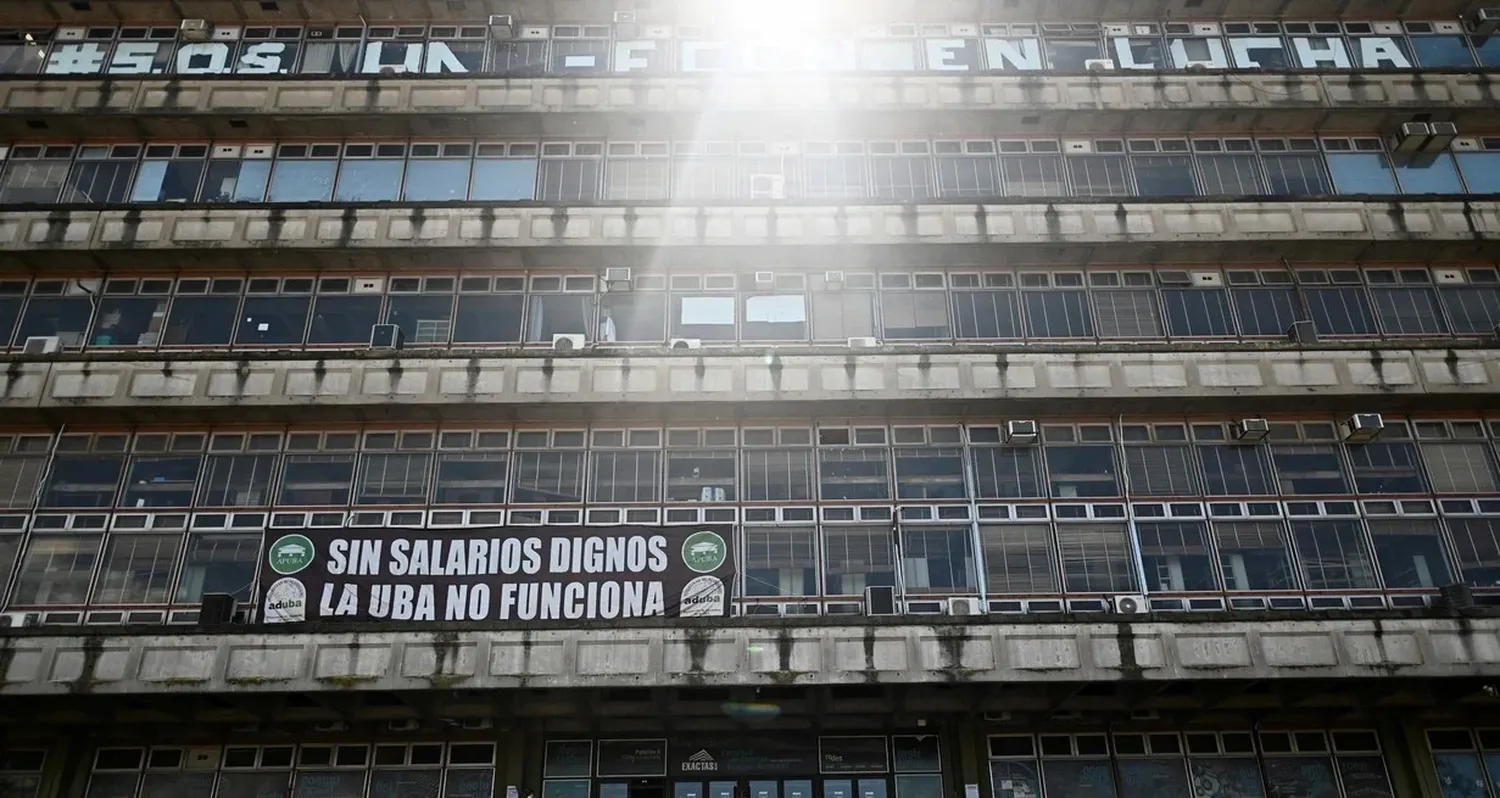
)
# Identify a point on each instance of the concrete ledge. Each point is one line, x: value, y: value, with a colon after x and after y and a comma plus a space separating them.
x: 703, y: 106
x: 489, y: 237
x: 259, y: 660
x: 536, y: 12
x: 301, y: 387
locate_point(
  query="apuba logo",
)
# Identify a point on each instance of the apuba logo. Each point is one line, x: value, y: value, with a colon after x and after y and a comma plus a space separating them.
x: 704, y: 551
x: 290, y: 554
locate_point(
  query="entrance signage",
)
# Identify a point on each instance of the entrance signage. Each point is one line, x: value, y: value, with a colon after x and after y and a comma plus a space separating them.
x: 563, y: 50
x: 496, y: 574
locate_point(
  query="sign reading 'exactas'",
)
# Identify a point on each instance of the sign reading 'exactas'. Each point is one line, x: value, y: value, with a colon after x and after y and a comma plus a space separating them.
x: 496, y: 574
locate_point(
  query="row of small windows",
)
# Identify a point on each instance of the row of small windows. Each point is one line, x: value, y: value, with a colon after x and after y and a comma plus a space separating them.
x: 793, y: 464
x: 629, y: 171
x: 761, y: 307
x: 1287, y: 559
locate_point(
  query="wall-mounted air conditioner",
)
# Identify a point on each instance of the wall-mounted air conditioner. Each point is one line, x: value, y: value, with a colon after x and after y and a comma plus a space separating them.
x: 568, y: 342
x: 863, y: 342
x: 618, y: 278
x: 502, y: 26
x: 41, y: 345
x: 387, y: 336
x: 767, y: 187
x: 1130, y: 604
x: 1020, y: 432
x: 1484, y: 22
x: 1099, y: 64
x: 1362, y: 427
x: 965, y: 605
x: 1250, y: 430
x: 686, y: 343
x: 195, y: 30
x: 765, y: 279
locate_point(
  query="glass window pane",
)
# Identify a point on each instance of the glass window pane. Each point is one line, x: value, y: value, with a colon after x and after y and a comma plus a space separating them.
x: 1309, y: 469
x: 633, y: 318
x: 19, y: 479
x: 1099, y: 175
x: 625, y: 477
x: 271, y: 320
x: 424, y: 319
x: 33, y: 182
x: 83, y: 481
x: 65, y: 317
x: 914, y: 315
x: 1197, y: 313
x: 853, y: 474
x: 1386, y: 468
x: 329, y: 784
x: 1015, y: 779
x: 701, y: 476
x: 1164, y: 175
x: 316, y: 480
x: 855, y: 558
x: 1254, y: 555
x: 436, y: 180
x: 1481, y: 170
x: 1428, y: 175
x: 467, y: 783
x: 840, y: 316
x: 1474, y: 310
x: 930, y: 474
x: 221, y: 562
x: 1165, y: 778
x: 1361, y: 173
x: 129, y: 321
x: 1007, y: 473
x: 10, y: 313
x: 559, y: 314
x: 240, y: 784
x: 1340, y: 311
x: 780, y: 317
x: 201, y: 321
x: 985, y: 314
x: 137, y: 569
x: 177, y: 785
x: 1232, y: 778
x: 1176, y: 556
x: 405, y: 783
x: 1033, y: 176
x: 1161, y: 471
x: 778, y: 475
x: 1078, y: 778
x: 369, y: 180
x: 1410, y: 553
x: 488, y: 318
x: 1265, y: 311
x: 1082, y: 471
x: 161, y: 481
x: 1231, y: 175
x: 937, y: 560
x: 1096, y: 558
x: 1408, y: 311
x: 1334, y: 555
x: 1127, y: 314
x: 394, y: 479
x: 1019, y: 558
x: 1296, y: 175
x: 302, y: 181
x: 548, y: 477
x: 343, y: 319
x: 1057, y: 314
x: 968, y: 176
x: 708, y: 318
x: 637, y: 178
x: 168, y: 181
x: 471, y: 478
x: 781, y: 562
x: 901, y: 177
x: 1442, y: 51
x: 497, y: 180
x: 1452, y: 467
x: 236, y: 181
x: 1302, y: 776
x: 98, y: 182
x: 237, y: 480
x: 569, y: 180
x: 1476, y: 544
x: 57, y: 570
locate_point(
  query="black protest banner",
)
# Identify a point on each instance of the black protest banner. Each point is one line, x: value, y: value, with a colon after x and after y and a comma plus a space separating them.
x: 496, y: 574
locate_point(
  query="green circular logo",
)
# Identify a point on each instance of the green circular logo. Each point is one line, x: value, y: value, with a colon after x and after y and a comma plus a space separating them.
x: 704, y: 552
x: 290, y: 554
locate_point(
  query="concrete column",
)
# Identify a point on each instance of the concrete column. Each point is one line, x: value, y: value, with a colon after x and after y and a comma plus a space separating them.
x: 966, y: 760
x: 1408, y: 759
x: 69, y: 763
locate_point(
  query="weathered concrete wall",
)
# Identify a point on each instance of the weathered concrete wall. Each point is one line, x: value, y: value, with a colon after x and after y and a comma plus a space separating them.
x: 538, y: 385
x: 749, y: 654
x: 490, y: 237
x: 746, y: 108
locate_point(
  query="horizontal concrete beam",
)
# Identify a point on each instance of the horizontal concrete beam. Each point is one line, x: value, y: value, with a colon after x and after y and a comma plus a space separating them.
x: 855, y: 235
x: 833, y: 107
x: 538, y: 386
x: 702, y: 11
x: 256, y: 660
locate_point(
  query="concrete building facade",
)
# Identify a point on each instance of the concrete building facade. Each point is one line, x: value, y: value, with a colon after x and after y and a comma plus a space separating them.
x: 583, y: 399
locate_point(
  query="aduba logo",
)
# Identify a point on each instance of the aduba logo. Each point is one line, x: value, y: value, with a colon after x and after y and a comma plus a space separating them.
x: 704, y: 551
x: 290, y: 554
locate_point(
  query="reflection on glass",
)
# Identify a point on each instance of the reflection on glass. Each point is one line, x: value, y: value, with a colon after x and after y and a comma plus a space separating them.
x: 218, y: 563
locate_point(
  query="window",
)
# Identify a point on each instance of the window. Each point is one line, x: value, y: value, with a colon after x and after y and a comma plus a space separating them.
x: 1125, y: 312
x: 1236, y: 470
x: 393, y: 479
x: 1161, y: 471
x: 569, y: 172
x: 125, y: 320
x: 56, y: 570
x: 66, y: 317
x: 371, y: 172
x: 1095, y: 558
x: 1442, y: 51
x: 778, y: 475
x: 937, y: 560
x: 923, y: 473
x: 1295, y: 174
x: 221, y: 562
x: 437, y: 173
x: 338, y: 318
x: 1410, y: 553
x: 1058, y: 312
x: 775, y: 317
x: 1007, y: 473
x: 633, y: 317
x: 855, y: 558
x: 1019, y: 558
x: 1164, y: 175
x: 1099, y: 175
x: 853, y: 474
x: 161, y: 481
x: 1197, y: 312
x: 1361, y: 173
x: 1176, y: 556
x: 548, y: 477
x: 1076, y: 472
x: 1334, y: 555
x: 471, y: 478
x: 1265, y: 311
x: 101, y: 175
x: 1455, y: 467
x: 967, y: 169
x: 985, y: 314
x: 504, y: 172
x: 1476, y: 543
x: 204, y: 312
x: 834, y: 171
x: 914, y: 315
x: 316, y: 480
x: 1474, y: 309
x: 489, y: 310
x: 237, y: 480
x: 1229, y: 174
x: 628, y: 476
x: 1032, y: 175
x: 901, y: 171
x: 637, y: 171
x: 702, y: 475
x: 137, y: 569
x: 19, y: 478
x: 1386, y: 468
x: 275, y: 318
x: 1409, y: 310
x: 423, y: 308
x: 1309, y: 469
x: 304, y: 173
x: 1428, y: 174
x: 35, y: 175
x: 707, y: 318
x: 170, y: 173
x: 1254, y: 555
x: 1340, y: 311
x: 781, y: 561
x: 839, y: 315
x: 703, y: 171
x: 80, y: 481
x: 231, y: 178
x: 1481, y: 170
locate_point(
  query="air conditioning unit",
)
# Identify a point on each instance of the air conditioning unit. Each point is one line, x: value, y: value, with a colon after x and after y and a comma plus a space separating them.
x: 1130, y: 604
x: 965, y: 605
x: 387, y: 336
x: 476, y: 724
x: 1443, y: 134
x: 567, y: 342
x: 330, y: 726
x: 404, y: 725
x: 202, y: 758
x: 1302, y: 332
x: 767, y: 187
x: 1362, y: 427
x: 195, y: 30
x: 880, y: 600
x: 502, y: 26
x: 20, y: 620
x: 833, y: 280
x: 617, y: 277
x: 1250, y: 430
x: 765, y: 279
x: 368, y: 285
x: 864, y: 342
x: 1411, y: 137
x: 686, y: 343
x: 1484, y: 22
x: 1099, y: 64
x: 41, y: 345
x: 1020, y: 432
x: 1198, y: 66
